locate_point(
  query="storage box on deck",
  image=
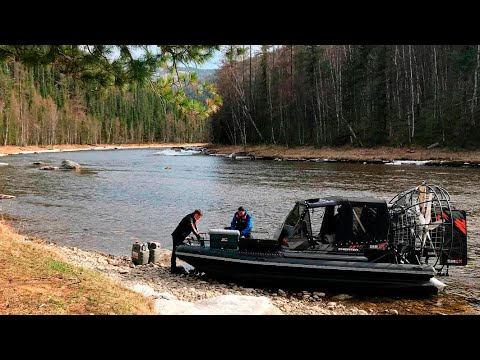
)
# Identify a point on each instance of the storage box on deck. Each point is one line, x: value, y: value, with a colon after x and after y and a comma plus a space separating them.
x: 223, y: 239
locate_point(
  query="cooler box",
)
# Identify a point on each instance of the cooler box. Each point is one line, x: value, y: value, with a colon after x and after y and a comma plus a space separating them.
x: 223, y: 239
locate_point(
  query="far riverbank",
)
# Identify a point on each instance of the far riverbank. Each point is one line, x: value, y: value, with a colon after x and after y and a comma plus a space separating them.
x: 12, y: 150
x: 435, y: 156
x: 346, y: 153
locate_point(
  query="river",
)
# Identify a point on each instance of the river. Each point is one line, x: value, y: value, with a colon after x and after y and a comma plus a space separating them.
x: 125, y: 195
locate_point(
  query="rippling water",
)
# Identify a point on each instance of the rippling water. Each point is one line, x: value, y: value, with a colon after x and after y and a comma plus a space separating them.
x: 125, y: 195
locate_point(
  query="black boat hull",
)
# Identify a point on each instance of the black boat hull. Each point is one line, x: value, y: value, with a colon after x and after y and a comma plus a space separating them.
x: 293, y: 270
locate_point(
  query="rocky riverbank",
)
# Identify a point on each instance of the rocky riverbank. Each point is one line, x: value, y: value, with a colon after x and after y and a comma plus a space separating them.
x: 27, y: 258
x: 12, y: 150
x: 415, y: 154
x: 156, y: 281
x: 379, y: 155
x: 183, y: 294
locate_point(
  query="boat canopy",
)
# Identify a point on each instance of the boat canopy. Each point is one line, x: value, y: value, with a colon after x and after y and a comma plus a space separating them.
x: 335, y: 200
x: 343, y: 222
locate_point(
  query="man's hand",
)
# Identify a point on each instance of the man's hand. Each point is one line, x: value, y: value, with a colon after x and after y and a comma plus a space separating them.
x: 198, y: 236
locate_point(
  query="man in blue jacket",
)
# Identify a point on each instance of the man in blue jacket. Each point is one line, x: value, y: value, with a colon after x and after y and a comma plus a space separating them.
x: 242, y: 221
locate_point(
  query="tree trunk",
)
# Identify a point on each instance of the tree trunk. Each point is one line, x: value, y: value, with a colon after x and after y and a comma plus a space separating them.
x: 435, y: 85
x: 250, y: 86
x: 412, y: 92
x: 5, y: 139
x: 475, y: 85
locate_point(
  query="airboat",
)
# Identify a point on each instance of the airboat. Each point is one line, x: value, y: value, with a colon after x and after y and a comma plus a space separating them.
x: 354, y: 243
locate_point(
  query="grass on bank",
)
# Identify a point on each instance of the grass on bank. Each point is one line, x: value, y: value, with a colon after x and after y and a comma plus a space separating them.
x: 35, y: 280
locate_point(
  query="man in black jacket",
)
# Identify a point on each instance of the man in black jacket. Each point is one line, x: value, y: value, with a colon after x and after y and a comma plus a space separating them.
x: 184, y: 228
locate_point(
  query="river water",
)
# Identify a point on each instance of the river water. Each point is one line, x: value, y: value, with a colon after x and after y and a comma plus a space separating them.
x: 125, y: 195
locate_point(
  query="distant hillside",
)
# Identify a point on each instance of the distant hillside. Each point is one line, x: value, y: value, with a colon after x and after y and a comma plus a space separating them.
x: 203, y: 74
x: 39, y: 105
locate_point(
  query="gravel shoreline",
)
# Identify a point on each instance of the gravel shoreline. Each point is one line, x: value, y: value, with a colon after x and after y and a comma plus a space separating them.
x: 192, y: 288
x: 32, y: 149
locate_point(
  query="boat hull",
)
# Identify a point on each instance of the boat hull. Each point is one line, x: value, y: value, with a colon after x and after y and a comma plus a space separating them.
x: 306, y: 271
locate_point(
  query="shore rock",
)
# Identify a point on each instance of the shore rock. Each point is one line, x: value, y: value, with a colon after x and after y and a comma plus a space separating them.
x: 70, y: 165
x: 220, y: 305
x: 166, y: 296
x: 176, y: 307
x: 342, y: 297
x: 145, y: 290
